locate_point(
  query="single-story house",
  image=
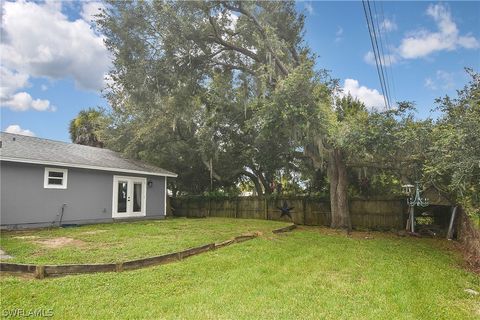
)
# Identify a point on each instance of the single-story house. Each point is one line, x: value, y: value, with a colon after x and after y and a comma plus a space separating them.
x: 46, y: 182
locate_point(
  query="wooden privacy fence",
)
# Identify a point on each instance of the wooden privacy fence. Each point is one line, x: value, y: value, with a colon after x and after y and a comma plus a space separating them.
x: 369, y: 214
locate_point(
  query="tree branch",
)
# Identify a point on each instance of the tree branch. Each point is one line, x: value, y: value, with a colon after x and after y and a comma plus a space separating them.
x: 295, y: 56
x: 317, y: 161
x: 214, y: 174
x: 255, y: 181
x: 259, y: 27
x: 262, y: 179
x: 236, y: 67
x: 218, y: 39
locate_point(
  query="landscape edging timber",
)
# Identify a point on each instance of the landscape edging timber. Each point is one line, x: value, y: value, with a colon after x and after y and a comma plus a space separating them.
x: 42, y: 271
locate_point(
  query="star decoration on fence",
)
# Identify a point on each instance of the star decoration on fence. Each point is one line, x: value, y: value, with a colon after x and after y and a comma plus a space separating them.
x: 285, y: 210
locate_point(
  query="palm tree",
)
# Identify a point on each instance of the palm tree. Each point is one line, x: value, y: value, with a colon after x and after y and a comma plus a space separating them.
x: 83, y: 129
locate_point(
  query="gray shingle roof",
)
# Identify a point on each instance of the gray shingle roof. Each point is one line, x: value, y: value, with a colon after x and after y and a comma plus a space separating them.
x: 26, y: 149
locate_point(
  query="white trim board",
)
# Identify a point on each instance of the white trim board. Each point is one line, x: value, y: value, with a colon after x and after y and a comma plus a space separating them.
x: 85, y: 166
x: 165, y: 199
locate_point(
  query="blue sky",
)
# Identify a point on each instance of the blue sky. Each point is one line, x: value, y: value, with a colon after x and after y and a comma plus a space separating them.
x: 53, y: 63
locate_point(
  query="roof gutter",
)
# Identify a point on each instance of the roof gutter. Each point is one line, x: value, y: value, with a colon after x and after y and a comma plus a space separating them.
x: 85, y: 166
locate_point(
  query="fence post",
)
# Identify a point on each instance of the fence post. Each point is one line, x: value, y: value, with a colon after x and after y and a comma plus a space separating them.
x: 236, y: 207
x: 266, y: 208
x: 209, y: 211
x: 40, y: 272
x: 304, y: 208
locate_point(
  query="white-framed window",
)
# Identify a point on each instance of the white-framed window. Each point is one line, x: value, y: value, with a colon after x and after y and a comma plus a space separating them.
x: 55, y: 178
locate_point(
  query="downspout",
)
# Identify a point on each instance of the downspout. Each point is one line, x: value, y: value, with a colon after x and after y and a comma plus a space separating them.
x: 61, y: 215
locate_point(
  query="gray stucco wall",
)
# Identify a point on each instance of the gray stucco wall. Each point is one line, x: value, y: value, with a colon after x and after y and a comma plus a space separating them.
x: 88, y: 196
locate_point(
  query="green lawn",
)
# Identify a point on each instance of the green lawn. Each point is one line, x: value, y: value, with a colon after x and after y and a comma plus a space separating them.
x: 310, y: 273
x: 123, y: 241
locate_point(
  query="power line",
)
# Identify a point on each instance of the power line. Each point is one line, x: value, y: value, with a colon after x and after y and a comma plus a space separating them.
x: 382, y: 62
x: 387, y: 44
x: 376, y: 52
x: 382, y: 55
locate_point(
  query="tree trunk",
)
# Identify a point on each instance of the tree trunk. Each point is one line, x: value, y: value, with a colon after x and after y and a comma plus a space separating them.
x: 263, y: 181
x: 337, y: 174
x: 255, y: 181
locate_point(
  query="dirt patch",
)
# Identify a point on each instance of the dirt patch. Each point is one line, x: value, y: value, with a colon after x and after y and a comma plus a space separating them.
x: 4, y: 255
x: 325, y: 230
x: 93, y: 232
x: 26, y: 237
x: 355, y: 234
x: 54, y: 243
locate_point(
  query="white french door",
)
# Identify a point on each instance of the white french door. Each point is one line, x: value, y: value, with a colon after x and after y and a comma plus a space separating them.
x: 129, y: 197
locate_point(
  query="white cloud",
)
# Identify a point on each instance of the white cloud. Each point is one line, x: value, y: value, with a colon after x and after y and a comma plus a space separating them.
x: 422, y: 43
x: 468, y: 42
x: 387, y: 59
x: 23, y: 101
x: 10, y: 82
x: 40, y: 41
x: 309, y: 7
x: 15, y: 128
x: 388, y: 25
x: 446, y: 79
x: 443, y: 79
x: 370, y: 97
x: 90, y: 9
x: 339, y: 34
x: 430, y: 84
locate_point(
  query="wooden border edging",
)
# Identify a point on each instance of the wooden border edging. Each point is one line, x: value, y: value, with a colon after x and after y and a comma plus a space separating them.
x: 285, y: 229
x: 77, y: 268
x: 14, y: 267
x: 147, y: 262
x: 42, y: 271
